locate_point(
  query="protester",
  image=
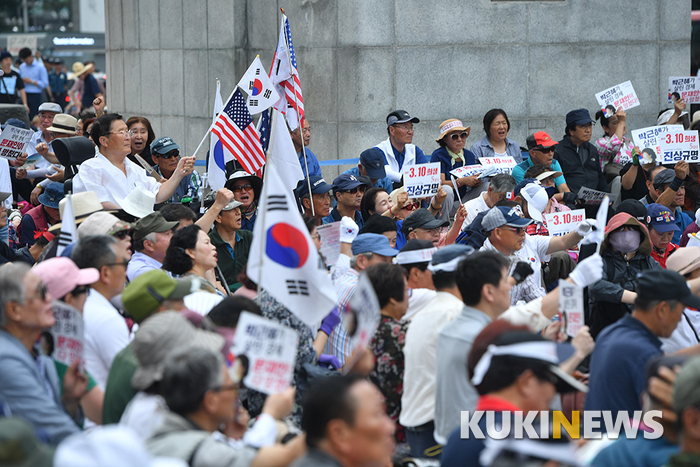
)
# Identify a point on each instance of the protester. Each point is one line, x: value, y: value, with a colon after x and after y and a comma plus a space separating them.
x: 191, y: 254
x: 626, y: 251
x: 29, y: 385
x: 541, y: 148
x: 112, y: 176
x: 372, y: 165
x: 104, y: 223
x: 661, y: 230
x: 670, y: 180
x: 578, y: 158
x: 418, y: 399
x: 41, y: 144
x: 241, y: 183
x: 35, y: 78
x: 381, y: 225
x: 623, y: 349
x: 348, y: 192
x: 303, y: 131
x: 377, y: 201
x: 496, y: 143
x: 320, y: 197
x: 559, y: 201
x: 346, y: 424
x: 200, y: 395
x: 149, y: 293
x: 501, y: 185
x: 651, y: 195
x: 635, y: 174
x: 232, y: 243
x: 182, y: 215
x: 415, y: 258
x: 166, y: 156
x: 43, y: 216
x: 12, y: 87
x: 143, y: 136
x: 151, y: 236
x: 686, y: 397
x: 686, y: 262
x: 615, y: 149
x: 510, y: 378
x: 399, y: 152
x: 422, y: 225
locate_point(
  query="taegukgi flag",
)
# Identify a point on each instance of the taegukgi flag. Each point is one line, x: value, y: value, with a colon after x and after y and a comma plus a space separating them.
x: 283, y: 260
x: 261, y: 92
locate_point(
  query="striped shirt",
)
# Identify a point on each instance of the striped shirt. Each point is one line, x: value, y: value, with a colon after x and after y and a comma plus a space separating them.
x: 338, y: 343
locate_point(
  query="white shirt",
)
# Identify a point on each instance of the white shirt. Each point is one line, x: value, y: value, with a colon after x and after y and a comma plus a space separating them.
x: 686, y: 333
x: 38, y: 137
x: 109, y: 182
x: 6, y: 181
x: 140, y: 263
x: 420, y: 350
x: 474, y: 207
x: 106, y: 334
x: 417, y: 300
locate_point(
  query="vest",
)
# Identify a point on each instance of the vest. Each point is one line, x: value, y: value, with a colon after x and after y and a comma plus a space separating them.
x: 37, y: 215
x: 392, y: 163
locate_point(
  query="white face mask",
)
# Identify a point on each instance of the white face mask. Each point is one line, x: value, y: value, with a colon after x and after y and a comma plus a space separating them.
x: 625, y: 242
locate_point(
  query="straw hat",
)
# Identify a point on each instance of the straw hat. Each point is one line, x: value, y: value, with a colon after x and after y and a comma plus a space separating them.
x: 78, y: 69
x: 452, y: 125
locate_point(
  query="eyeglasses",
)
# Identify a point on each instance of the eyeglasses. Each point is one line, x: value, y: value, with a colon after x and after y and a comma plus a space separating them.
x: 517, y: 230
x: 121, y: 235
x: 408, y: 128
x: 457, y: 136
x: 228, y: 387
x: 124, y: 263
x: 545, y: 150
x: 81, y: 289
x: 174, y: 153
x: 316, y: 237
x: 353, y: 191
x: 239, y: 188
x: 121, y: 133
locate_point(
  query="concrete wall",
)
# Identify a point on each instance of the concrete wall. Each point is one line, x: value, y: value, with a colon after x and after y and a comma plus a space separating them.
x: 361, y: 59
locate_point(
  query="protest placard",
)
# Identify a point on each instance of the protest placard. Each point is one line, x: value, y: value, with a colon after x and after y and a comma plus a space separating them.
x: 502, y: 164
x: 330, y: 241
x: 649, y: 137
x: 571, y: 306
x: 561, y: 223
x: 594, y: 197
x: 622, y: 95
x: 361, y: 316
x: 467, y: 170
x: 422, y: 180
x: 687, y: 87
x: 13, y: 142
x: 679, y: 145
x: 67, y: 333
x: 271, y: 349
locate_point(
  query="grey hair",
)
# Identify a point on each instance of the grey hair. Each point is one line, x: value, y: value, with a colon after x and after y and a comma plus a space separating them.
x: 11, y: 286
x: 138, y: 244
x: 187, y: 377
x: 353, y: 260
x: 94, y: 251
x: 503, y: 183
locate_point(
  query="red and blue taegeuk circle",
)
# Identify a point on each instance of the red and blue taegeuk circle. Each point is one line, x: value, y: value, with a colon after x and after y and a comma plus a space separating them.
x: 257, y: 87
x: 286, y: 245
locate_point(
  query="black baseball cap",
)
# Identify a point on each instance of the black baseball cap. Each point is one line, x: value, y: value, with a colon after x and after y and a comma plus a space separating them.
x: 421, y: 219
x: 662, y: 284
x: 400, y: 116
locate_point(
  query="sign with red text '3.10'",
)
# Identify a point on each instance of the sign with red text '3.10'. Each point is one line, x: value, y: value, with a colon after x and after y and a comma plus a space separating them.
x: 422, y: 180
x: 561, y: 223
x: 679, y: 145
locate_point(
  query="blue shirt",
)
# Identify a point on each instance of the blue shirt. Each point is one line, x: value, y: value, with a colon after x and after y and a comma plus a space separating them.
x: 37, y: 72
x: 618, y: 364
x: 447, y: 163
x: 400, y: 237
x: 249, y: 224
x: 312, y: 162
x: 380, y: 183
x: 335, y: 216
x: 187, y: 188
x: 638, y: 451
x: 520, y: 169
x: 400, y: 156
x: 483, y: 148
x: 57, y: 81
x: 90, y: 90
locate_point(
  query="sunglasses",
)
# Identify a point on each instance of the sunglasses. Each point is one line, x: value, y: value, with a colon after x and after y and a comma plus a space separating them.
x: 517, y: 230
x: 122, y: 234
x: 457, y: 136
x: 239, y: 188
x: 545, y: 150
x: 412, y: 206
x: 169, y: 155
x: 354, y: 191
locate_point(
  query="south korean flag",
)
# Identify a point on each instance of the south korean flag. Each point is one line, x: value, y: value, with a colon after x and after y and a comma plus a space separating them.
x: 257, y: 84
x: 283, y: 259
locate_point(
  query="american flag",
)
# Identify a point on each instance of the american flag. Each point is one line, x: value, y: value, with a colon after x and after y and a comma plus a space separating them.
x: 234, y: 127
x: 286, y: 79
x: 264, y: 129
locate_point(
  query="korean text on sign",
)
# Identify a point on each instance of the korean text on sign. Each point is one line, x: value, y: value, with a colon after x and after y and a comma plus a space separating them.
x: 678, y: 146
x: 271, y: 349
x: 67, y: 333
x: 561, y: 223
x: 503, y: 164
x: 13, y: 142
x: 594, y: 197
x: 571, y: 306
x: 622, y: 95
x: 330, y: 241
x: 467, y: 170
x: 422, y: 180
x: 687, y: 87
x: 649, y: 137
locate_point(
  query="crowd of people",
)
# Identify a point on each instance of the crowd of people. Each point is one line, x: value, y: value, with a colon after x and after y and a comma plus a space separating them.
x: 467, y: 286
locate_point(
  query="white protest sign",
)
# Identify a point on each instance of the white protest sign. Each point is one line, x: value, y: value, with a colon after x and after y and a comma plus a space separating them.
x: 594, y: 197
x: 649, y: 137
x: 467, y: 170
x: 687, y: 87
x: 503, y: 164
x: 271, y: 349
x: 679, y: 145
x: 622, y: 95
x: 561, y: 223
x: 330, y: 241
x: 13, y: 141
x: 361, y: 316
x: 67, y: 334
x: 422, y: 180
x: 16, y: 42
x: 571, y: 306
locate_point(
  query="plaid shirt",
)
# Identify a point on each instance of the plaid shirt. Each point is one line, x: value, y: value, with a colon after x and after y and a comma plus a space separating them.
x: 338, y: 343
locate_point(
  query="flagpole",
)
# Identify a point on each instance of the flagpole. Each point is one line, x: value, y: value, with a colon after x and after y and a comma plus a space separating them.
x: 299, y: 123
x: 212, y: 125
x: 263, y: 195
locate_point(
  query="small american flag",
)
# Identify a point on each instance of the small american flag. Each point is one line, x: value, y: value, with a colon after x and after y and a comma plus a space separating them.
x: 293, y: 86
x: 234, y: 127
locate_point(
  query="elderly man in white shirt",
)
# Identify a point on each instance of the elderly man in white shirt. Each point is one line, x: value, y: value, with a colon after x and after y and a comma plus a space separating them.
x: 112, y: 176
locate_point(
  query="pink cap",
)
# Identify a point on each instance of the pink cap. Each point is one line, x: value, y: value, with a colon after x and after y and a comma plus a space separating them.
x: 61, y: 275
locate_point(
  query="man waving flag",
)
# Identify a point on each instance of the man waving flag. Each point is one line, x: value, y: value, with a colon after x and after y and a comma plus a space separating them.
x: 285, y: 75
